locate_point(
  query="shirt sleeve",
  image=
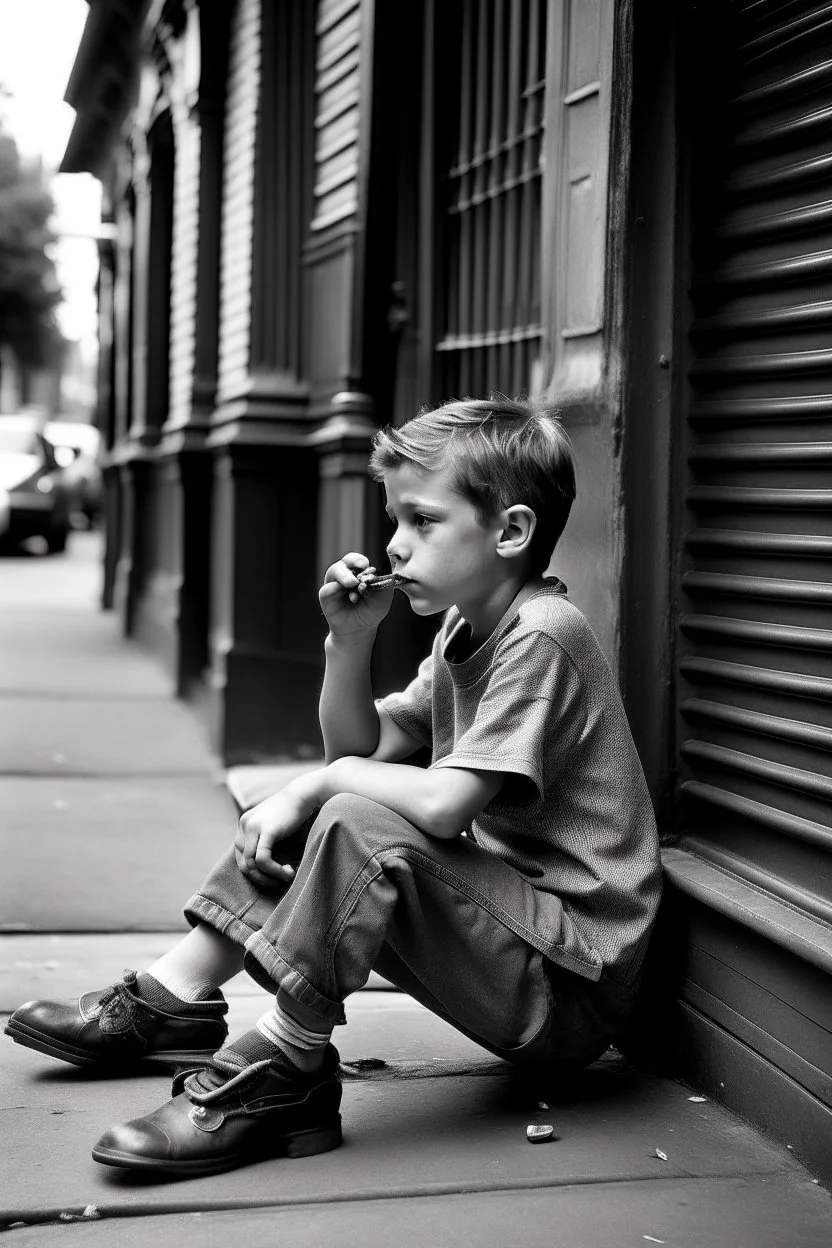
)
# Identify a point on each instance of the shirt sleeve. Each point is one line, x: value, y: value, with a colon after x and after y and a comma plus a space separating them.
x: 412, y: 709
x: 528, y: 717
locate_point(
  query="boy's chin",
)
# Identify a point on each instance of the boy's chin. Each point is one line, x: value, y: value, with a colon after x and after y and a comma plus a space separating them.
x: 426, y: 606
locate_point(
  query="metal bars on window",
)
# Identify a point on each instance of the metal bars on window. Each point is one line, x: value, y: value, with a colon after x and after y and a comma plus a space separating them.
x: 490, y: 202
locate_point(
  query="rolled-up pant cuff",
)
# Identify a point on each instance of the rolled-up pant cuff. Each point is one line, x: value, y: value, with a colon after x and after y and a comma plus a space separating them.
x: 202, y: 910
x: 266, y: 965
x: 262, y: 961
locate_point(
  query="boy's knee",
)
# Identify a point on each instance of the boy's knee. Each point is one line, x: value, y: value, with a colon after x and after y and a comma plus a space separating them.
x: 350, y: 808
x: 374, y: 824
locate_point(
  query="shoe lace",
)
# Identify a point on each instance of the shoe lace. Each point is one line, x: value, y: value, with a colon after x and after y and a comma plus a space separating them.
x: 216, y: 1084
x: 118, y: 1009
x: 211, y: 1085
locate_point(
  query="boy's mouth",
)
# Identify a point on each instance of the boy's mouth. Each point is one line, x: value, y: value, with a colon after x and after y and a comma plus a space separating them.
x: 389, y: 580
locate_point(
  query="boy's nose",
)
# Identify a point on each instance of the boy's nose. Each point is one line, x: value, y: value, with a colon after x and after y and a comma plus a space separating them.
x: 394, y: 550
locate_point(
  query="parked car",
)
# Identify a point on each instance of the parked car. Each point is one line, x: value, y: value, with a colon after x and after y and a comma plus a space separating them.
x: 32, y: 475
x: 82, y: 473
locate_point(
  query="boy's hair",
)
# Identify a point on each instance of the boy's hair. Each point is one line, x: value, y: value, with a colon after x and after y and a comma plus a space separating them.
x: 501, y: 451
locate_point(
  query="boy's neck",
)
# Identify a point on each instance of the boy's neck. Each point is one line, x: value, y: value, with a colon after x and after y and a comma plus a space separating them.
x: 486, y: 617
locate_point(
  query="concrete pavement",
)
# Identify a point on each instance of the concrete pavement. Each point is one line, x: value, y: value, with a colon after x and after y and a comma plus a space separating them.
x: 111, y: 806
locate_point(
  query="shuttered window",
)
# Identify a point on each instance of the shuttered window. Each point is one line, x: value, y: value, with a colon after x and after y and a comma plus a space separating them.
x: 489, y: 319
x: 755, y: 623
x: 337, y: 86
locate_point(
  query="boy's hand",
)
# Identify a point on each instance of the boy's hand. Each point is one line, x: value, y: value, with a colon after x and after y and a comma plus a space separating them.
x: 351, y: 612
x: 260, y: 831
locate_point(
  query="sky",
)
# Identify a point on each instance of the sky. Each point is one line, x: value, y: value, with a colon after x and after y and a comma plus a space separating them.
x: 38, y: 43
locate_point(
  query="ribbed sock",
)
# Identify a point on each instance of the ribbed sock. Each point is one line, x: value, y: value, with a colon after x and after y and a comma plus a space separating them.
x: 196, y: 966
x: 284, y: 1034
x: 252, y: 1046
x: 154, y: 993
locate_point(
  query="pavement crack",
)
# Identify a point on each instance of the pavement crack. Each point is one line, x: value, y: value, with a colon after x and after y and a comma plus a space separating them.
x: 149, y: 1208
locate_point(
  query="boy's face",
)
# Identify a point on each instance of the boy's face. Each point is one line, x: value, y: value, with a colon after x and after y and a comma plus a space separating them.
x: 447, y: 555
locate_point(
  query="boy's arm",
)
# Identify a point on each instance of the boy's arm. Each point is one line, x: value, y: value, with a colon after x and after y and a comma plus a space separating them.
x: 346, y: 711
x: 441, y: 802
x: 350, y: 723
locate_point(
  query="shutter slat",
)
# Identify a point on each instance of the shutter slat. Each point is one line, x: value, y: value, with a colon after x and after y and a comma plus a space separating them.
x: 753, y: 689
x: 764, y: 816
x: 751, y: 632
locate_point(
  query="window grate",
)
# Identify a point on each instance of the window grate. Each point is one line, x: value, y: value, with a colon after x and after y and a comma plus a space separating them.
x: 490, y: 208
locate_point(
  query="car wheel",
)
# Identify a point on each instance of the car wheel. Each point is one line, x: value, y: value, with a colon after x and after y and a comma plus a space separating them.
x: 56, y: 541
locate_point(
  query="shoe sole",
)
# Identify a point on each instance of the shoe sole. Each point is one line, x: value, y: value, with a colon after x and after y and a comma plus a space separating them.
x: 31, y: 1039
x: 299, y: 1144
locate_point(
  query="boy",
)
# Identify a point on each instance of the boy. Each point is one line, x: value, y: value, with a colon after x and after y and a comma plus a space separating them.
x: 510, y: 886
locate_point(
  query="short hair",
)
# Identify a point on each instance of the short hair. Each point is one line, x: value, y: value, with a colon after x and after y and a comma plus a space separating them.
x: 501, y: 451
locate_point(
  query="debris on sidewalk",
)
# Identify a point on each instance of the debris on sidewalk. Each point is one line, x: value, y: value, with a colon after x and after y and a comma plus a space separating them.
x: 362, y: 1064
x: 374, y: 1068
x: 539, y: 1134
x: 89, y: 1211
x: 661, y: 1156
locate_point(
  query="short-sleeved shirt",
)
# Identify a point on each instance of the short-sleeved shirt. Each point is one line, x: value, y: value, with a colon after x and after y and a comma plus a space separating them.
x: 538, y: 702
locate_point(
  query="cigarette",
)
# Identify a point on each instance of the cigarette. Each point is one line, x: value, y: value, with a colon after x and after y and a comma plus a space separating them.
x: 388, y: 581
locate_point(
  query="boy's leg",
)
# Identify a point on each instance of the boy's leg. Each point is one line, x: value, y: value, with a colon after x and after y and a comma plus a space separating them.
x: 198, y: 964
x: 443, y: 917
x: 171, y: 1014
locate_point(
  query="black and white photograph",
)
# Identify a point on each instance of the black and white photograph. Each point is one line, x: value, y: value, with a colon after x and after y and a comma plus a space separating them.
x: 416, y: 623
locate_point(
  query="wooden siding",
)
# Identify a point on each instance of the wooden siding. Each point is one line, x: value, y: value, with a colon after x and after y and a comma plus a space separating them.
x: 242, y: 104
x: 337, y: 87
x: 183, y: 295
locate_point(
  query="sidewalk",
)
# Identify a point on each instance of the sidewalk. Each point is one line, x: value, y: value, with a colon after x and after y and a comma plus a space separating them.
x: 110, y: 806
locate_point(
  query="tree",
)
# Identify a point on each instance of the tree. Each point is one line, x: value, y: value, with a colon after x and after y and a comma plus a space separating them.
x: 29, y: 291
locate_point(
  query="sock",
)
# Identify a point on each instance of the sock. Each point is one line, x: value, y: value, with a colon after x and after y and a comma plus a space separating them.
x: 252, y: 1046
x: 303, y: 1046
x: 281, y: 1030
x: 154, y: 993
x: 194, y: 968
x: 275, y: 1034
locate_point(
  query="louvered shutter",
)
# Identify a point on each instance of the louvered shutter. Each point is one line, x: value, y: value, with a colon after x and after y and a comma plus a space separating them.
x: 754, y: 636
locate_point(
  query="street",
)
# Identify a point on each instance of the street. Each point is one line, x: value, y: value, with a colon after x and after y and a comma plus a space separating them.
x: 112, y: 809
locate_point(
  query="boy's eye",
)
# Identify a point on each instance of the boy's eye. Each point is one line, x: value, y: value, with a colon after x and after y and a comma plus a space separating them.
x: 421, y: 521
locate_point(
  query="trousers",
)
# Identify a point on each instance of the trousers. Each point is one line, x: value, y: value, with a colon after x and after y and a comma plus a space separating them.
x: 432, y: 916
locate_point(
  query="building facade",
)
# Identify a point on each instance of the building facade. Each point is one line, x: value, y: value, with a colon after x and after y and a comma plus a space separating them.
x: 328, y: 214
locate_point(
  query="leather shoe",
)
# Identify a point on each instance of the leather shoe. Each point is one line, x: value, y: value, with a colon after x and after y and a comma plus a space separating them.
x: 118, y: 1030
x: 217, y: 1122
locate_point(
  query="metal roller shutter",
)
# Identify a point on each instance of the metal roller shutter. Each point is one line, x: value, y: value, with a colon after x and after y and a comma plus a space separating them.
x: 754, y: 637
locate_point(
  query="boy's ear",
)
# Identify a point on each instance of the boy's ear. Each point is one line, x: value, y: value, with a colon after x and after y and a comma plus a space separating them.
x: 519, y: 523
